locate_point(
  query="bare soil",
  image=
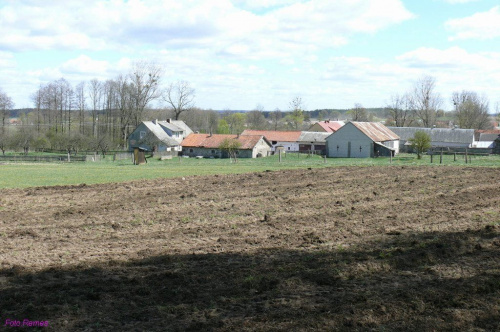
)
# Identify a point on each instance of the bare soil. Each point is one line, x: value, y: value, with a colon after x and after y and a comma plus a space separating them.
x: 376, y: 248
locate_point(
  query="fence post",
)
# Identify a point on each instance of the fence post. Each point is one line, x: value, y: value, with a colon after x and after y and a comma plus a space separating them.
x: 441, y: 157
x: 454, y: 156
x: 280, y: 156
x: 431, y: 157
x: 466, y: 155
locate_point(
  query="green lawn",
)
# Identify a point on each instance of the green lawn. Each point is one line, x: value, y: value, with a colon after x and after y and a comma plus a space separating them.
x: 21, y: 175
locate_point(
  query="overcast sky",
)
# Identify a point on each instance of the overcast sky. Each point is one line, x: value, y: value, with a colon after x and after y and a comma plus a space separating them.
x: 238, y: 54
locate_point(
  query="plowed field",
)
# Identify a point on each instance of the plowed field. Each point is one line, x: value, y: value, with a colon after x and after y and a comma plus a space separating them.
x: 361, y: 248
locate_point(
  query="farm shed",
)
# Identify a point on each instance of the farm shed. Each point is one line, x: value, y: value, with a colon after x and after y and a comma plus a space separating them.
x: 487, y: 139
x: 440, y: 137
x: 207, y: 145
x: 286, y: 140
x: 159, y: 136
x: 315, y: 142
x: 327, y: 126
x: 362, y: 140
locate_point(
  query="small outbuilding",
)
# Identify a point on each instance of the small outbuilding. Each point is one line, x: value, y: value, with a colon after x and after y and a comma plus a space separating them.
x: 362, y: 140
x: 208, y: 146
x: 487, y: 139
x: 313, y: 142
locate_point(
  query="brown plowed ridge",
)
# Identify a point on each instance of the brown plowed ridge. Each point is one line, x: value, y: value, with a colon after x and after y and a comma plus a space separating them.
x: 356, y: 248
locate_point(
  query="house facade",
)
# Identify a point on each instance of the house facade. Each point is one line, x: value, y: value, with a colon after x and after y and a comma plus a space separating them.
x: 159, y: 136
x: 440, y: 137
x: 362, y: 140
x: 287, y: 141
x: 207, y: 146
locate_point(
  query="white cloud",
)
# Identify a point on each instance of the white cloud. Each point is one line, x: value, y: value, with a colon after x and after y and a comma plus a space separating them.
x: 84, y: 65
x: 459, y: 1
x: 220, y: 26
x: 485, y: 25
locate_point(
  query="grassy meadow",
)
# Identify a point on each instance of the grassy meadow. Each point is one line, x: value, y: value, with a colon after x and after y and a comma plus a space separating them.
x: 22, y: 175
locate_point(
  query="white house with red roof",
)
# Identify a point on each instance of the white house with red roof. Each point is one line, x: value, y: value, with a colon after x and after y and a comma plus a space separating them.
x: 288, y: 141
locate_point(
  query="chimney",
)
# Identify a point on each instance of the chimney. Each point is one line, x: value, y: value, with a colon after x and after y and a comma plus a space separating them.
x: 155, y: 121
x: 169, y: 120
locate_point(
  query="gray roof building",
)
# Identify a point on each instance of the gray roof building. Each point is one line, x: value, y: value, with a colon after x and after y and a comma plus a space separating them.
x: 313, y: 137
x: 440, y: 137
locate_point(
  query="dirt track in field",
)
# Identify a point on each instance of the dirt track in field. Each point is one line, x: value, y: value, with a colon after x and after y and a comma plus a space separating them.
x: 392, y: 248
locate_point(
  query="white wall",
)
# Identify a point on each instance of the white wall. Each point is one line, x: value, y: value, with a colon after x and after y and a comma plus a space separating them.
x: 288, y: 146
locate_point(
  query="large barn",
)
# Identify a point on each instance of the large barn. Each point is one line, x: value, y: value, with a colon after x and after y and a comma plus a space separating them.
x: 362, y: 140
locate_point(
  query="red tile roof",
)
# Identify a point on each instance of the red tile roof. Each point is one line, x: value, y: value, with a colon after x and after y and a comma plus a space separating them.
x: 214, y: 141
x: 330, y: 126
x: 376, y: 131
x: 272, y: 135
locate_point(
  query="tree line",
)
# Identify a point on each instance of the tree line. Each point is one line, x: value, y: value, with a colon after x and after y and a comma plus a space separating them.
x: 99, y: 115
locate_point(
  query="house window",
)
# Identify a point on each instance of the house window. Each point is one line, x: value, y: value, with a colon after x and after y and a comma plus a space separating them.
x: 177, y: 134
x: 288, y: 148
x: 142, y: 134
x: 274, y: 142
x: 191, y: 150
x: 213, y: 151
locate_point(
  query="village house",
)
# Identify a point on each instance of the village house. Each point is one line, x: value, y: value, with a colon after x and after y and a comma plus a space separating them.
x: 287, y: 141
x: 326, y: 126
x: 440, y: 137
x: 207, y: 145
x: 159, y: 136
x: 362, y: 140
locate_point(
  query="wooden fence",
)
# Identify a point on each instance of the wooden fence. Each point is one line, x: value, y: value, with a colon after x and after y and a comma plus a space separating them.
x: 50, y: 158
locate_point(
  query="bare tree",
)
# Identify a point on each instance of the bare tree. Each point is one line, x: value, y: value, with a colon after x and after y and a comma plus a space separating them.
x: 322, y: 115
x: 37, y: 100
x: 125, y: 106
x: 6, y: 105
x: 144, y: 87
x: 426, y: 100
x: 471, y: 111
x: 95, y: 95
x: 358, y: 113
x: 256, y: 118
x: 180, y: 97
x: 275, y: 118
x: 5, y: 139
x: 296, y: 117
x: 401, y: 110
x: 81, y: 104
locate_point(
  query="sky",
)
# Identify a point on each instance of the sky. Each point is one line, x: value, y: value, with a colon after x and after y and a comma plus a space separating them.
x: 244, y: 54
